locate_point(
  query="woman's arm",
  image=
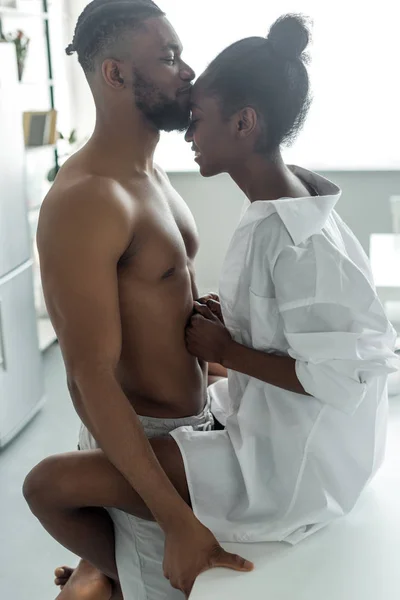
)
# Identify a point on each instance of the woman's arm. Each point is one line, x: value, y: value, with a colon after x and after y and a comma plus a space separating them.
x: 279, y: 371
x: 215, y: 373
x: 208, y: 339
x: 217, y: 370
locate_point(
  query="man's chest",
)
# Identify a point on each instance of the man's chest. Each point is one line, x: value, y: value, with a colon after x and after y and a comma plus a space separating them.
x: 165, y: 240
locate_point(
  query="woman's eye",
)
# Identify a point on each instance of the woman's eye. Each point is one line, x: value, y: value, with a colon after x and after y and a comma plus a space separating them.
x: 170, y: 61
x: 192, y: 123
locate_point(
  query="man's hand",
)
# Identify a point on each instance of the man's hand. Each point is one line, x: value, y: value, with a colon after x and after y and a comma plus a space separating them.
x: 192, y: 551
x: 206, y: 337
x: 213, y: 303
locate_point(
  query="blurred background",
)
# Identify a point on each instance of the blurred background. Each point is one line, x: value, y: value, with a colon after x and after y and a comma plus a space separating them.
x: 352, y: 136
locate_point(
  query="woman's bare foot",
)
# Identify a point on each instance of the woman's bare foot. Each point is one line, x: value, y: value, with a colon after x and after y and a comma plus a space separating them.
x: 83, y: 583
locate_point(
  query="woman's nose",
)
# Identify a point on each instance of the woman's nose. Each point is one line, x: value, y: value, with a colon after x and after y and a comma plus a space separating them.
x: 189, y: 135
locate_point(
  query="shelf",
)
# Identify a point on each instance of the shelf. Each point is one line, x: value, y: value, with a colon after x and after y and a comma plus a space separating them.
x: 47, y: 82
x: 46, y: 333
x: 14, y: 12
x: 44, y: 147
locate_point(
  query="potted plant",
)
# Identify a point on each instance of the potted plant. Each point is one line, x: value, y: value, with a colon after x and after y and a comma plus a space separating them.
x: 21, y: 42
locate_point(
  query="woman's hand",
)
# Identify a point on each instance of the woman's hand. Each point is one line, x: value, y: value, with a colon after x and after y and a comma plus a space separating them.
x: 206, y: 336
x: 212, y: 302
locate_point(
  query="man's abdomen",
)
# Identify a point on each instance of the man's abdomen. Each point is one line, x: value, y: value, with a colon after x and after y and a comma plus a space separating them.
x: 157, y: 373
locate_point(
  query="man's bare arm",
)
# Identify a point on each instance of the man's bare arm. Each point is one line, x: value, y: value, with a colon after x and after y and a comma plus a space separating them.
x: 81, y: 238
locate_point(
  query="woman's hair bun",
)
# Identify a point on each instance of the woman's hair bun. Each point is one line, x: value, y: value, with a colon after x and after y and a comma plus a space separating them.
x: 70, y: 49
x: 289, y: 36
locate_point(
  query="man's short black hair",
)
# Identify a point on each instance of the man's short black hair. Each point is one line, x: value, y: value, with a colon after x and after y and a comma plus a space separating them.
x: 103, y: 22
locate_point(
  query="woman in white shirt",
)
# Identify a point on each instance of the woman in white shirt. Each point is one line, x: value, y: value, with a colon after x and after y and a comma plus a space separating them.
x: 302, y: 332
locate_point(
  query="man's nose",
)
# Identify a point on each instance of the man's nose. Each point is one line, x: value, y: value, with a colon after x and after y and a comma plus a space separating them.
x: 187, y: 73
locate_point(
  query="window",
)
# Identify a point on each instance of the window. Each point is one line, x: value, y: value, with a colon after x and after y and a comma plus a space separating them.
x: 354, y: 121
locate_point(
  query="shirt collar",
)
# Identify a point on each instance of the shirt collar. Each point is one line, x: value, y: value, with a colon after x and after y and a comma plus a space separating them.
x: 302, y: 217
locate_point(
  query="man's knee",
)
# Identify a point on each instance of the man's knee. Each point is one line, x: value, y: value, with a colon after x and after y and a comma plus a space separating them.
x: 45, y: 484
x: 36, y: 483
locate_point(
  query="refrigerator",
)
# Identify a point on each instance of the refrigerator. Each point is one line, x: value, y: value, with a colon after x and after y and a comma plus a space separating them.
x: 21, y: 368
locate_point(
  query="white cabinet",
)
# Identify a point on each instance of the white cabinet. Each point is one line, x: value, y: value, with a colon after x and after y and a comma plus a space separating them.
x: 14, y: 237
x: 21, y: 369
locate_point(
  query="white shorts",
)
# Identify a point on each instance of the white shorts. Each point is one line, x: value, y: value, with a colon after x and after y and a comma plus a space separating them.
x: 139, y: 544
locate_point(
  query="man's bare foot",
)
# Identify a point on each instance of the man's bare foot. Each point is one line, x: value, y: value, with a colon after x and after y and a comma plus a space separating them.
x: 62, y: 574
x: 83, y: 583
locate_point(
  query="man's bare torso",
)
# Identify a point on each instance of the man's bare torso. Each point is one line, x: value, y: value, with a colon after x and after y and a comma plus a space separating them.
x: 156, y: 290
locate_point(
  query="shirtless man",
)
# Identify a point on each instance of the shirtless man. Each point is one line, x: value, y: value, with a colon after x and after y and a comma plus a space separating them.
x: 117, y: 246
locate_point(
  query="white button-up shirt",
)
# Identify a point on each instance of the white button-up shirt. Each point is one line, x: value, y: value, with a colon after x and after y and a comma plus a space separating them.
x: 295, y: 282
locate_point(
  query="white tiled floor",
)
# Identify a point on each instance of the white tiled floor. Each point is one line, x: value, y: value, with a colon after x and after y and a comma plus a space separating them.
x: 28, y: 555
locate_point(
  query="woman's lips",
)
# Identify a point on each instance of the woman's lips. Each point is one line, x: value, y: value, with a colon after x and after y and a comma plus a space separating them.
x: 197, y: 153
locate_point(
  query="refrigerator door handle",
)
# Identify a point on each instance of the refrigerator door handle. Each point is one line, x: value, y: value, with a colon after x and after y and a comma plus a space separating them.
x: 3, y: 364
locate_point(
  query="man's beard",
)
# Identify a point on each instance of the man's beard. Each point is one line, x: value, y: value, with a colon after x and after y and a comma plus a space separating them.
x: 163, y: 113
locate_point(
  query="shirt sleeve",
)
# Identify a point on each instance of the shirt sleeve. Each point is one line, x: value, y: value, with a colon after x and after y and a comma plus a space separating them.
x: 335, y: 326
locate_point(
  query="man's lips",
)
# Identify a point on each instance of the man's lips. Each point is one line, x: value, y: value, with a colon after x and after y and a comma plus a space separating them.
x: 185, y: 90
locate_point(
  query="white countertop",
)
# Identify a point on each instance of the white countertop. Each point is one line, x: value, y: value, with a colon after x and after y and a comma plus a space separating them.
x: 384, y: 254
x: 357, y: 558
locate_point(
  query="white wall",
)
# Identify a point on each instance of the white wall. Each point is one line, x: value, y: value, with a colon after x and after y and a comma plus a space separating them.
x: 352, y: 123
x: 216, y: 204
x: 83, y: 110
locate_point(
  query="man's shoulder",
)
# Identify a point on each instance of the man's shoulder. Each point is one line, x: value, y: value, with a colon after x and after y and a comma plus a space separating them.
x: 161, y: 172
x: 86, y: 188
x: 79, y: 194
x: 88, y: 209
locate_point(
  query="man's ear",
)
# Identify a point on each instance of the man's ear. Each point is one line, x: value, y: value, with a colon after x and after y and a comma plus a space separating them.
x: 246, y: 121
x: 112, y: 73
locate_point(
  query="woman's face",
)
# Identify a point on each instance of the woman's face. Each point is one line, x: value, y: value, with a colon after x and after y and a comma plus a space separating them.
x: 212, y: 137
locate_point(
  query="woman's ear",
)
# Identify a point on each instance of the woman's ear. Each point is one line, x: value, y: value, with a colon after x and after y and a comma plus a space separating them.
x: 246, y: 121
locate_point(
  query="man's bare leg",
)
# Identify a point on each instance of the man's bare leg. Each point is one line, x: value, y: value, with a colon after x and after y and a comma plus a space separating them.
x: 86, y: 583
x: 62, y: 574
x: 67, y: 493
x: 94, y: 532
